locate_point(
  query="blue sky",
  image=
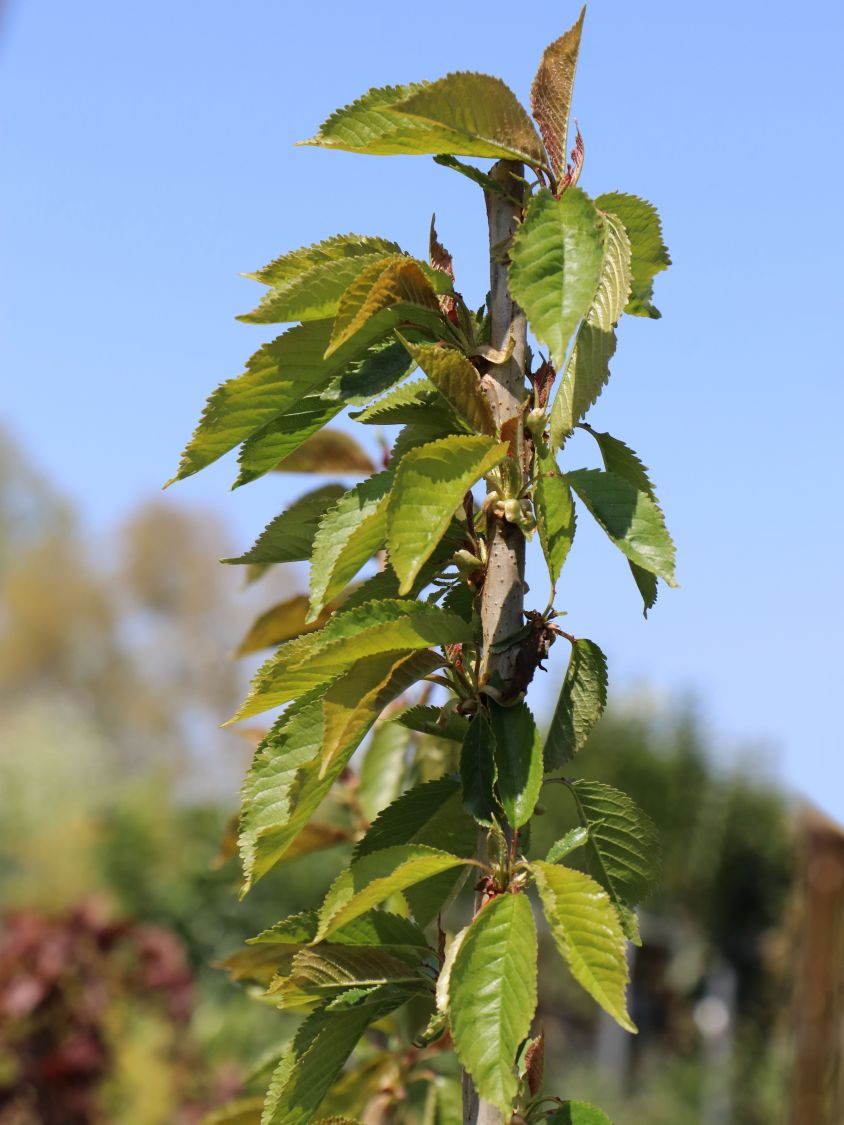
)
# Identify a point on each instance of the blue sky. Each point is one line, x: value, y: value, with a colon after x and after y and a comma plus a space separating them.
x: 148, y: 160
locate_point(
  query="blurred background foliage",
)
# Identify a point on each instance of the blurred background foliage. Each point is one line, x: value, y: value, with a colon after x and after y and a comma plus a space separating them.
x: 119, y: 894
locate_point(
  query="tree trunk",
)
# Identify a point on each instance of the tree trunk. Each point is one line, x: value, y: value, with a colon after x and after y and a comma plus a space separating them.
x: 502, y: 599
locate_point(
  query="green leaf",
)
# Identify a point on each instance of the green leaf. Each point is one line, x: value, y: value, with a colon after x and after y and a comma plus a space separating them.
x: 270, y: 783
x: 574, y: 838
x: 374, y: 877
x: 620, y: 459
x: 551, y: 92
x: 481, y: 108
x: 441, y: 722
x: 380, y: 369
x: 349, y: 534
x: 554, y: 508
x: 478, y: 773
x: 461, y: 114
x: 578, y: 1113
x: 429, y: 814
x: 383, y: 768
x: 518, y: 760
x: 286, y: 782
x: 581, y: 703
x: 492, y: 995
x: 295, y: 263
x: 587, y: 370
x: 283, y: 436
x: 352, y: 703
x: 430, y: 484
x: 315, y: 1059
x: 329, y: 970
x: 277, y: 377
x: 623, y: 841
x: 458, y: 382
x: 555, y: 265
x: 313, y: 295
x: 282, y: 623
x: 290, y: 536
x: 329, y: 451
x: 418, y: 401
x: 650, y: 254
x: 588, y: 935
x: 367, y: 630
x: 629, y: 517
x: 390, y: 289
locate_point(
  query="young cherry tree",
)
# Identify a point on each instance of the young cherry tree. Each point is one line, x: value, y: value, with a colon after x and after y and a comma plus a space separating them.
x: 436, y: 649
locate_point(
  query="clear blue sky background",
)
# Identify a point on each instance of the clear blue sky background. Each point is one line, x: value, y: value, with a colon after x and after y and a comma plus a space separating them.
x: 147, y: 160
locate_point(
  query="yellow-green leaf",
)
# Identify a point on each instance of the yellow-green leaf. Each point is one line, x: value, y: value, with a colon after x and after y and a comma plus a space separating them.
x: 555, y: 265
x: 588, y: 935
x: 650, y: 254
x: 492, y: 995
x: 430, y: 484
x: 329, y: 451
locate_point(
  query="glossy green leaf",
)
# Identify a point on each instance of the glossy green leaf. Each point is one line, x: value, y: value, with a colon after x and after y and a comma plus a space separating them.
x: 629, y: 517
x: 551, y: 93
x: 478, y: 772
x: 393, y: 289
x: 623, y: 841
x: 461, y: 114
x: 458, y: 382
x: 588, y: 935
x: 430, y: 484
x: 290, y: 536
x: 587, y: 370
x: 581, y: 703
x: 349, y: 534
x: 518, y: 760
x: 383, y: 768
x: 374, y: 877
x: 341, y: 247
x: 650, y: 254
x: 492, y: 995
x: 555, y: 266
x: 367, y: 630
x: 554, y: 508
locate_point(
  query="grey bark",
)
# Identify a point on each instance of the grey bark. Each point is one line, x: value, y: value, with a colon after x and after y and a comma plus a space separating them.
x: 502, y: 599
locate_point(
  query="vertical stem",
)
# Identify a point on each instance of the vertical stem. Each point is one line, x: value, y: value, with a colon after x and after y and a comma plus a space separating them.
x: 502, y: 598
x: 502, y: 601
